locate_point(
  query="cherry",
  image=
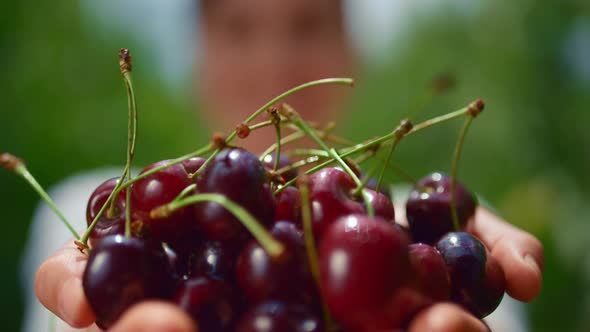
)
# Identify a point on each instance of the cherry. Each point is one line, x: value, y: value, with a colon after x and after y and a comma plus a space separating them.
x: 484, y: 298
x: 465, y: 257
x: 193, y: 164
x: 106, y: 226
x: 286, y: 278
x: 208, y: 302
x: 122, y: 271
x: 279, y: 317
x: 214, y: 260
x: 239, y: 175
x: 289, y: 206
x: 362, y: 262
x: 269, y: 163
x: 158, y: 189
x: 429, y: 272
x: 428, y: 208
x: 382, y: 205
x: 331, y: 197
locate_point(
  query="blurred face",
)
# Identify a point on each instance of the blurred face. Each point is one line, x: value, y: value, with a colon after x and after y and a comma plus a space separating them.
x: 256, y: 49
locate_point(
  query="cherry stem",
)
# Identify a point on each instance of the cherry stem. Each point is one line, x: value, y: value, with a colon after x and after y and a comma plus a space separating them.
x: 273, y: 247
x: 473, y: 110
x: 399, y: 133
x: 17, y: 166
x: 381, y: 140
x: 310, y: 245
x: 125, y: 66
x: 185, y: 192
x: 343, y: 81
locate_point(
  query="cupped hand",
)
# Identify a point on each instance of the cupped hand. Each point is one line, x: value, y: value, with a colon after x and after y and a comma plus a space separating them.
x: 58, y: 286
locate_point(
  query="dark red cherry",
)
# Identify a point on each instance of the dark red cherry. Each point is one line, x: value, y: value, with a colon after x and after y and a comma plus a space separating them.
x: 239, y: 175
x: 286, y: 278
x: 331, y: 194
x: 384, y: 188
x: 429, y: 272
x: 288, y: 206
x: 269, y: 163
x: 158, y: 189
x: 362, y: 261
x: 279, y: 317
x: 382, y: 205
x: 484, y: 298
x: 106, y: 226
x: 193, y: 164
x: 214, y: 260
x: 465, y: 257
x: 122, y: 271
x: 208, y: 302
x: 428, y: 208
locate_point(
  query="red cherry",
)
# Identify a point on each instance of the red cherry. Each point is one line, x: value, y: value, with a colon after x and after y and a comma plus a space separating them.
x: 363, y: 261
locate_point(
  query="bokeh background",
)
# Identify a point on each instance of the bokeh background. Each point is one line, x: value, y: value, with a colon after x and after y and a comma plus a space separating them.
x: 63, y: 109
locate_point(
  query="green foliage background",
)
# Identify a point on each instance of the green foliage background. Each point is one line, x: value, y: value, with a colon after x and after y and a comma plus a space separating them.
x: 63, y: 109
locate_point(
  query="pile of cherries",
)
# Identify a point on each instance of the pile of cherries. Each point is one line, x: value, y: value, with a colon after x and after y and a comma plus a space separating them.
x: 369, y: 274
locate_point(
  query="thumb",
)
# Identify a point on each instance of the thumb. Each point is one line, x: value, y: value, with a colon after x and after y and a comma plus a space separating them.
x: 154, y: 317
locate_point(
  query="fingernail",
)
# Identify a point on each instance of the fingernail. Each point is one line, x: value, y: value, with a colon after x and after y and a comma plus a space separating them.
x: 530, y: 261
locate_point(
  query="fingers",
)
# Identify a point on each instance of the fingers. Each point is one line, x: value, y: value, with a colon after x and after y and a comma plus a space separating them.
x: 154, y: 316
x: 446, y: 317
x: 58, y: 285
x: 520, y: 254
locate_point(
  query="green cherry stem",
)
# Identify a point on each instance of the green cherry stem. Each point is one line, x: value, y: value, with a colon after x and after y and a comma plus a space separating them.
x: 399, y: 133
x: 273, y: 247
x: 310, y: 245
x: 17, y: 166
x: 377, y: 142
x: 125, y: 66
x: 185, y: 192
x: 342, y: 81
x: 473, y: 111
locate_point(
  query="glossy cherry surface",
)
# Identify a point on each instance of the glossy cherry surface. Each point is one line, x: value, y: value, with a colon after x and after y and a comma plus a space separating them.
x: 193, y: 164
x: 483, y: 298
x: 279, y: 317
x: 428, y: 208
x: 123, y: 271
x: 465, y: 257
x: 288, y: 206
x: 239, y: 175
x: 106, y: 226
x: 429, y: 272
x: 269, y: 163
x: 285, y: 278
x: 363, y: 261
x: 158, y: 189
x: 214, y: 260
x: 208, y: 302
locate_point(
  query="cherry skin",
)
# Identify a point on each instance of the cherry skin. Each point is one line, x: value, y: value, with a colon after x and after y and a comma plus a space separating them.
x: 208, y: 302
x: 106, y: 226
x: 279, y: 317
x: 193, y: 164
x: 362, y: 262
x: 158, y: 189
x: 465, y: 257
x: 331, y: 198
x: 122, y: 271
x: 239, y: 175
x: 214, y: 260
x: 382, y: 205
x: 289, y: 206
x: 482, y: 299
x: 286, y: 278
x: 429, y: 272
x: 269, y: 163
x: 428, y: 208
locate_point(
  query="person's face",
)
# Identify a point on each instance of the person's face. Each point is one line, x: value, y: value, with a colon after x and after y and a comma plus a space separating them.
x: 256, y: 49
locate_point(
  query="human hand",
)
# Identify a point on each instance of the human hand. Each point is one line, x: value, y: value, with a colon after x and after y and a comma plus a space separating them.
x: 58, y: 286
